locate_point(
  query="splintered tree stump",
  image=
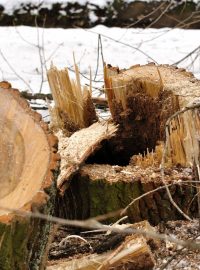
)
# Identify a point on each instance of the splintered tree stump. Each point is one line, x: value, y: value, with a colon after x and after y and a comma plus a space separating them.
x: 141, y: 100
x: 28, y: 170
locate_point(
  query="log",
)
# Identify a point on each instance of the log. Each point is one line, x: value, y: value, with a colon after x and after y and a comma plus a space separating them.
x: 28, y: 169
x: 132, y: 253
x: 141, y: 99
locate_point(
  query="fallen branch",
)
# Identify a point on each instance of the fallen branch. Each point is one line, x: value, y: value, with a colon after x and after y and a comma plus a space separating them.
x: 93, y: 224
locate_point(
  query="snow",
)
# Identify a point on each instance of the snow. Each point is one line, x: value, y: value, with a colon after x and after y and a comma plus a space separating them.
x: 20, y: 57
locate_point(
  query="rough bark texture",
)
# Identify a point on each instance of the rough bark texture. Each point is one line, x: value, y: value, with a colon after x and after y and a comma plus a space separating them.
x: 28, y: 170
x: 100, y: 189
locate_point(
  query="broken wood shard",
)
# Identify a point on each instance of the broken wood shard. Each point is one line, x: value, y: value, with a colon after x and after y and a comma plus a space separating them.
x: 28, y: 169
x: 77, y: 148
x: 74, y: 108
x: 134, y: 253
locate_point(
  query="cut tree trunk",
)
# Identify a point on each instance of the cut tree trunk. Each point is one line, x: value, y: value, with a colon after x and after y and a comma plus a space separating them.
x: 141, y: 99
x: 28, y: 170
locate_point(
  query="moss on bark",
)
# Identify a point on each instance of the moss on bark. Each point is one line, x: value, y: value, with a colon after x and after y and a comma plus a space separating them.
x: 87, y: 198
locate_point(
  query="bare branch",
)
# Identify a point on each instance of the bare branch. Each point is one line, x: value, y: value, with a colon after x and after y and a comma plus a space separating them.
x: 14, y: 71
x: 94, y: 224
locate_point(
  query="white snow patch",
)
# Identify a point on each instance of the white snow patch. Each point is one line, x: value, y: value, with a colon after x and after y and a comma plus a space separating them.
x: 20, y: 57
x: 93, y: 16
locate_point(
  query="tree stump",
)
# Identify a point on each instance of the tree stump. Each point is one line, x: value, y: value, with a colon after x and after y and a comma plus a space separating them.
x: 141, y: 99
x: 126, y: 166
x: 28, y: 170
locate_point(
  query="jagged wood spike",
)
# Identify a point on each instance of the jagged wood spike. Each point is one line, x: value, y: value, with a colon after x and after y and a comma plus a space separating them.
x: 70, y: 106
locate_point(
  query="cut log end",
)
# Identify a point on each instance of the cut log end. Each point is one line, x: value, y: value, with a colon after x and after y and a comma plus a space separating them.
x: 28, y: 170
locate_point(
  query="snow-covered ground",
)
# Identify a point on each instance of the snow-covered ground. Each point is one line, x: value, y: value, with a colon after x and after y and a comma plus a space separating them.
x: 20, y: 57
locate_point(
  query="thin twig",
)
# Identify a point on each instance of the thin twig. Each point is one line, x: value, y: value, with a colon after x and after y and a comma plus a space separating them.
x: 40, y: 55
x: 142, y: 196
x: 97, y: 65
x: 43, y: 46
x: 160, y: 16
x: 14, y: 71
x: 120, y: 42
x: 186, y: 56
x: 101, y: 46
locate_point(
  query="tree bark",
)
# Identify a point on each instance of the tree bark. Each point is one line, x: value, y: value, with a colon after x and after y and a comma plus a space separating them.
x: 100, y: 189
x: 28, y: 170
